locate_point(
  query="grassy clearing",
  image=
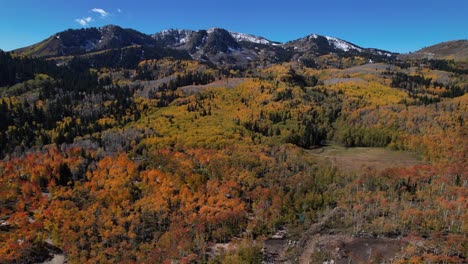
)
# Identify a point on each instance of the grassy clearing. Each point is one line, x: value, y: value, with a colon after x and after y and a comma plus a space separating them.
x: 356, y: 159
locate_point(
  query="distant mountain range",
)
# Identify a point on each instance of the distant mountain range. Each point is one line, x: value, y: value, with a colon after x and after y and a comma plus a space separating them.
x: 216, y: 45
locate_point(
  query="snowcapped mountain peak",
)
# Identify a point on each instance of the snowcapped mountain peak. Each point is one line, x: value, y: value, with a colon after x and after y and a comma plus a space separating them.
x: 249, y: 38
x: 211, y: 30
x: 341, y: 44
x: 313, y: 36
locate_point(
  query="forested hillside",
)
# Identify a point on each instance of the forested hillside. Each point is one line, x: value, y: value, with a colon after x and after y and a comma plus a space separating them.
x: 172, y: 160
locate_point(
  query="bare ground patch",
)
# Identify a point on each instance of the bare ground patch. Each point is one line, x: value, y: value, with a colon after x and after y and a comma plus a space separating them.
x: 342, y: 249
x: 321, y: 245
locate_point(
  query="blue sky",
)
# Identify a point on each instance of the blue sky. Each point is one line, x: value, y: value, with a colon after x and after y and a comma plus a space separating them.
x: 394, y: 25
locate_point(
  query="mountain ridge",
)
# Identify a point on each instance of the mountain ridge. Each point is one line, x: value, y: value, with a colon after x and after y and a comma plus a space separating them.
x: 216, y: 45
x: 221, y: 46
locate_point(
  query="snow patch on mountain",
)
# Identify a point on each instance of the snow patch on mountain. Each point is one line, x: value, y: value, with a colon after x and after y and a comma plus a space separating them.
x: 342, y: 45
x: 249, y: 38
x: 313, y: 36
x: 211, y: 30
x: 182, y: 35
x: 383, y: 53
x: 183, y: 40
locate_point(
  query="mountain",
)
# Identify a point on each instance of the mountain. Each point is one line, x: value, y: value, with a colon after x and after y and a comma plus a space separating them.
x: 317, y: 45
x: 177, y: 37
x: 80, y: 41
x: 219, y: 45
x: 456, y: 50
x: 215, y: 45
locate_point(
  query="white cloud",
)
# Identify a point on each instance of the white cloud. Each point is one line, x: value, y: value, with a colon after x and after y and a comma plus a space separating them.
x: 119, y: 10
x: 100, y: 11
x: 84, y: 21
